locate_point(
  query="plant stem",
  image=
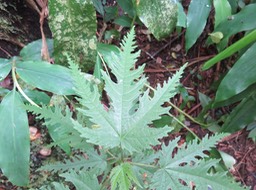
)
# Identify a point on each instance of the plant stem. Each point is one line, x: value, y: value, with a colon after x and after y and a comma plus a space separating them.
x: 180, y: 111
x: 143, y: 165
x: 16, y: 84
x: 104, y: 64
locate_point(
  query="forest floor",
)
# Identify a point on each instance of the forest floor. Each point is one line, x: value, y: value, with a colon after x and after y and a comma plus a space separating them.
x: 162, y: 59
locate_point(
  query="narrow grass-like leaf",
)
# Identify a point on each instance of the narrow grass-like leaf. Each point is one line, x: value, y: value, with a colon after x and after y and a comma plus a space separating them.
x: 198, y: 12
x: 43, y: 75
x: 14, y: 139
x: 245, y: 41
x: 243, y: 115
x: 232, y: 84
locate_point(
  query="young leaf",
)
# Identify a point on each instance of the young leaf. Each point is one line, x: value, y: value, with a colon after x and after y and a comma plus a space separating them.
x: 240, y: 44
x: 237, y: 23
x: 43, y: 75
x: 82, y: 180
x: 159, y: 16
x: 14, y: 139
x: 122, y: 125
x: 122, y: 177
x: 73, y: 24
x: 198, y: 12
x: 186, y: 166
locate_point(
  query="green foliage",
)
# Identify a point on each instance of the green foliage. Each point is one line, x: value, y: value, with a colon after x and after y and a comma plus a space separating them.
x: 14, y: 139
x: 128, y: 126
x: 234, y: 88
x: 73, y: 24
x: 186, y: 166
x: 159, y: 16
x: 14, y: 123
x: 198, y: 12
x: 236, y: 23
x: 122, y: 176
x: 124, y: 155
x: 222, y: 11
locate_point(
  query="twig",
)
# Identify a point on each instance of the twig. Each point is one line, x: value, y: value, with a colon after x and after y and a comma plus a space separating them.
x: 6, y: 52
x: 176, y: 69
x: 169, y: 43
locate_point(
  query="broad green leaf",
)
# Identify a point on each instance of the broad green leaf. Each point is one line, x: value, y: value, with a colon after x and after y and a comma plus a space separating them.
x: 73, y: 24
x: 124, y: 21
x: 46, y: 76
x: 234, y: 5
x: 127, y: 6
x: 242, y: 21
x: 245, y: 41
x: 106, y: 51
x: 232, y: 84
x: 37, y: 96
x: 126, y: 122
x: 243, y: 115
x: 198, y: 12
x: 3, y: 91
x: 186, y: 166
x: 83, y: 180
x: 159, y: 16
x: 252, y: 128
x: 14, y: 140
x: 222, y: 11
x: 123, y: 177
x: 5, y: 68
x: 181, y: 16
x: 32, y: 51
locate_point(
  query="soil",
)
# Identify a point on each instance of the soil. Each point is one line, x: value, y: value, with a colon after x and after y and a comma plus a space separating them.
x: 162, y: 59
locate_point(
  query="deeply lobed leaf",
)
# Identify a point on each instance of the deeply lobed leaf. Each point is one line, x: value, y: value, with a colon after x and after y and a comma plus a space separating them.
x: 126, y: 121
x: 186, y: 166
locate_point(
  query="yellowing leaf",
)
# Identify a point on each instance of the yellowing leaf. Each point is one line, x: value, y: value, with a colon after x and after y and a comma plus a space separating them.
x: 216, y: 37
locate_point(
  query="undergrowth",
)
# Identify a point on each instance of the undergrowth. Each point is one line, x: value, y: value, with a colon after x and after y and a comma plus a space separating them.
x: 116, y: 141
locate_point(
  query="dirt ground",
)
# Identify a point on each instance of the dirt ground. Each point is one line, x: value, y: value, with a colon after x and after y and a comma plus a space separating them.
x: 162, y: 59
